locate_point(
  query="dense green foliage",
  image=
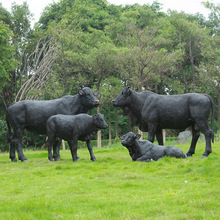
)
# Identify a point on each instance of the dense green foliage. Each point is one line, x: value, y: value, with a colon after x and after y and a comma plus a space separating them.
x: 4, y: 146
x: 113, y: 187
x: 107, y: 47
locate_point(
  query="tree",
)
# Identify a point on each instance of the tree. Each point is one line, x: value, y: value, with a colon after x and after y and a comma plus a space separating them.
x: 19, y: 34
x: 102, y: 66
x: 144, y: 58
x: 5, y: 16
x: 214, y: 17
x: 109, y: 89
x: 21, y: 27
x: 43, y: 58
x: 209, y: 68
x: 7, y: 62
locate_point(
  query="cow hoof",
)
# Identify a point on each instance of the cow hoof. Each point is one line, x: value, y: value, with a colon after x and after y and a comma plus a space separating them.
x: 189, y: 155
x: 24, y: 160
x: 14, y: 160
x: 75, y: 160
x: 93, y: 158
x: 206, y: 154
x: 56, y: 158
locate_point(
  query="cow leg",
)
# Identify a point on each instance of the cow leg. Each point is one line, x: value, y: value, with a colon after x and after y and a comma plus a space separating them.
x: 71, y: 143
x: 208, y: 136
x: 144, y: 158
x: 56, y: 149
x: 73, y: 149
x: 12, y: 155
x: 133, y: 153
x: 16, y: 141
x: 50, y: 142
x: 195, y: 137
x: 159, y: 136
x: 89, y: 146
x: 151, y: 132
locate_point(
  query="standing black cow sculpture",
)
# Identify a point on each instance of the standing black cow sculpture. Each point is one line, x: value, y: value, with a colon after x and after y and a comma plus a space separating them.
x: 73, y: 128
x: 145, y: 151
x: 33, y: 115
x: 153, y: 112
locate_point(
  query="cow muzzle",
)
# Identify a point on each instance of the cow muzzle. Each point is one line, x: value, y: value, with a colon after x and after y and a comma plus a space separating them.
x: 105, y: 126
x: 114, y: 103
x: 123, y: 142
x: 96, y: 103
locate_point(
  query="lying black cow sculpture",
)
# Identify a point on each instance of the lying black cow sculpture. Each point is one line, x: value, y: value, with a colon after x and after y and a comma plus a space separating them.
x: 33, y: 115
x: 153, y: 112
x: 73, y: 128
x: 146, y: 151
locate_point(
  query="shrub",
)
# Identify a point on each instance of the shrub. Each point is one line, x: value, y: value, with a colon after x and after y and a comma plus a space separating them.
x: 4, y: 145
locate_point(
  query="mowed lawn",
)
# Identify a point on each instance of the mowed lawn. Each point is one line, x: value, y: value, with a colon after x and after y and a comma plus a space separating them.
x: 113, y: 187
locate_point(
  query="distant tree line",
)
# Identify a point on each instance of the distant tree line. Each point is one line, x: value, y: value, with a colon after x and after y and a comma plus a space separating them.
x: 106, y: 47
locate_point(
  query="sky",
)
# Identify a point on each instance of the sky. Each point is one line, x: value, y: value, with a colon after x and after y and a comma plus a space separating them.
x: 189, y: 6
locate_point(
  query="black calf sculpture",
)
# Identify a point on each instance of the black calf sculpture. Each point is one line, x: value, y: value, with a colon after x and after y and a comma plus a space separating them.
x: 73, y: 128
x: 145, y: 151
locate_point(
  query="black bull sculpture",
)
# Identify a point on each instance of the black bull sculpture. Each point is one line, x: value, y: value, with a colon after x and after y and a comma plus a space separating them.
x: 153, y: 112
x: 33, y: 115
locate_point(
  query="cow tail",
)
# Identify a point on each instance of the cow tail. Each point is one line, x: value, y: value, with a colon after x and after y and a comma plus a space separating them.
x: 8, y: 134
x: 213, y: 115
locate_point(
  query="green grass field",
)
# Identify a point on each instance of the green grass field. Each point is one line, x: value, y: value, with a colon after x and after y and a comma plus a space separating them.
x: 113, y: 187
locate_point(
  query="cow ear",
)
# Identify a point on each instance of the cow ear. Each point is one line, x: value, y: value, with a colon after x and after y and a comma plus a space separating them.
x: 80, y: 91
x: 138, y: 136
x: 96, y: 92
x: 122, y: 137
x: 129, y: 91
x: 95, y: 116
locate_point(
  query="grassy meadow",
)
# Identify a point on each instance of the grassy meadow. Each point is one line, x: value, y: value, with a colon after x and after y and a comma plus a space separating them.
x: 113, y: 187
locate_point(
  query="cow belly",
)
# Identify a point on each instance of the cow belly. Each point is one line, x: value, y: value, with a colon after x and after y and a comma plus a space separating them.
x: 36, y: 118
x: 65, y: 136
x: 40, y: 129
x: 64, y: 129
x: 37, y: 125
x: 174, y: 122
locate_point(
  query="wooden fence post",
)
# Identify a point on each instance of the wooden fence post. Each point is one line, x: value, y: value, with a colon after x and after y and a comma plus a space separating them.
x: 164, y: 135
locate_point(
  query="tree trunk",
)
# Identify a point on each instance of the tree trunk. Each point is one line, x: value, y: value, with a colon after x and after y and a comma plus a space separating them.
x: 191, y: 57
x: 99, y: 135
x: 129, y: 123
x: 116, y: 123
x: 15, y: 82
x: 109, y: 125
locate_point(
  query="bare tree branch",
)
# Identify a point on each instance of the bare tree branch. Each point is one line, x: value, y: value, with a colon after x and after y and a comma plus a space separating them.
x: 38, y: 68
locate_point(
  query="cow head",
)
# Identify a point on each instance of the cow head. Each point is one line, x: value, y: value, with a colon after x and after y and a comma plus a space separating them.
x: 100, y: 121
x: 123, y: 99
x: 129, y: 139
x: 88, y: 97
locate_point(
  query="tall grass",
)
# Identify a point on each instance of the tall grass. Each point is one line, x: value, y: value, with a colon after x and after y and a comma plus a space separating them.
x: 113, y: 187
